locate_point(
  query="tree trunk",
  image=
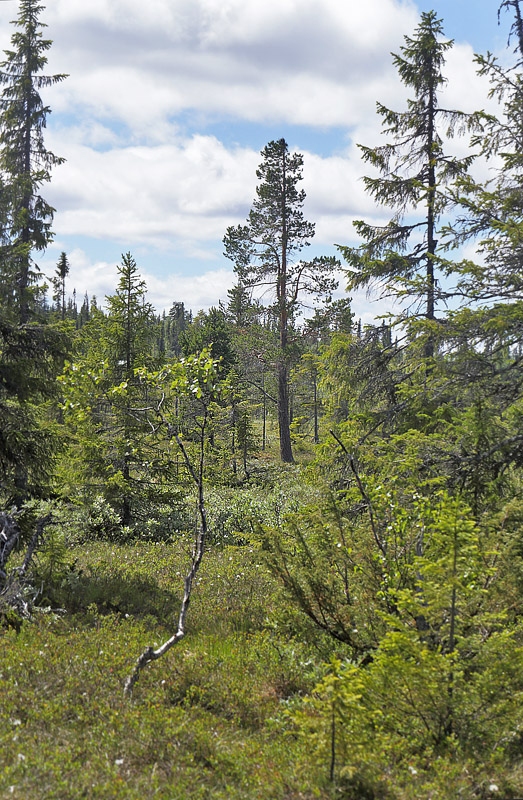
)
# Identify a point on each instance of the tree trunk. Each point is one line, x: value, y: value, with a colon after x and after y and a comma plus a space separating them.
x: 264, y: 414
x: 284, y: 415
x: 25, y: 235
x: 9, y: 535
x: 150, y: 654
x: 233, y: 444
x: 431, y: 242
x: 316, y: 430
x: 284, y: 418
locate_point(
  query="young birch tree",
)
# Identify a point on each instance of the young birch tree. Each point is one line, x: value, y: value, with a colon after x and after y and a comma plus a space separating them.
x: 195, y: 379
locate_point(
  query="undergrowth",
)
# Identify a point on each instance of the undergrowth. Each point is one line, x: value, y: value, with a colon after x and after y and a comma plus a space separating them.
x: 199, y: 724
x: 241, y: 709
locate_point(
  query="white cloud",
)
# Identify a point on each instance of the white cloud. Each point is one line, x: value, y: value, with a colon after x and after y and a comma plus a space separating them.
x: 309, y: 62
x: 315, y: 62
x: 197, y: 292
x: 136, y: 174
x: 188, y: 191
x: 183, y: 196
x: 100, y: 278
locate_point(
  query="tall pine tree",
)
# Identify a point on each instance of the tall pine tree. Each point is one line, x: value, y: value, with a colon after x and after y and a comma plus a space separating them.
x: 265, y: 254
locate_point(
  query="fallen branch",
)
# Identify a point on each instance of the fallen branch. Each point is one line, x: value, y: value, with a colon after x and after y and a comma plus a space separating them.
x: 35, y: 543
x: 17, y: 594
x: 9, y: 537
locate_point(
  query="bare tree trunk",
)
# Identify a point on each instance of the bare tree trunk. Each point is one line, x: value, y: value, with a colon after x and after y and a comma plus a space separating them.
x: 150, y: 654
x: 126, y: 500
x: 233, y: 443
x: 284, y: 415
x: 35, y: 543
x: 316, y: 430
x: 283, y: 312
x: 14, y: 593
x: 9, y: 538
x: 264, y: 413
x: 9, y: 535
x: 431, y: 241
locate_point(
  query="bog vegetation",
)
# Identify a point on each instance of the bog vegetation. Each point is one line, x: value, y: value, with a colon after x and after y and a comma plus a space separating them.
x: 325, y: 518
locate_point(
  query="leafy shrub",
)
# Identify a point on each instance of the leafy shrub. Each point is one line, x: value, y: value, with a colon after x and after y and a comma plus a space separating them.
x: 444, y: 680
x: 235, y: 515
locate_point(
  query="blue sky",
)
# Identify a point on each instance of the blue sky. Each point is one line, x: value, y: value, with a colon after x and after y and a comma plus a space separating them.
x: 473, y: 22
x: 169, y: 103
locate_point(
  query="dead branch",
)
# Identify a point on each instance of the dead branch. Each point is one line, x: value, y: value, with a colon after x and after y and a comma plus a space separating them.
x: 16, y: 593
x: 35, y: 543
x: 9, y: 536
x: 377, y: 538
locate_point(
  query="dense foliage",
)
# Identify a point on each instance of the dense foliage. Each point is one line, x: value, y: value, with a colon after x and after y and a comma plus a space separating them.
x: 354, y: 627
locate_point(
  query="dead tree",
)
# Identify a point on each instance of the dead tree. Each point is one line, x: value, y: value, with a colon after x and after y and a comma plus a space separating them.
x: 9, y: 537
x: 13, y: 585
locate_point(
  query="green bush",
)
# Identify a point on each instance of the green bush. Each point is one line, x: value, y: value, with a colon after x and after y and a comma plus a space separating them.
x: 443, y: 685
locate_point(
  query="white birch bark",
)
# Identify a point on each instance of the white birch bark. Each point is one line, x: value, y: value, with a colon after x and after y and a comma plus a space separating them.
x: 150, y: 654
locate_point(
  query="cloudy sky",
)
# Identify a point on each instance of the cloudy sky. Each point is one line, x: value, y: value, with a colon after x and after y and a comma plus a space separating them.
x: 169, y: 102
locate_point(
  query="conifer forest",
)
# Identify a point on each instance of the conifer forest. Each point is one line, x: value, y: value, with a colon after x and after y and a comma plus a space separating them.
x: 267, y: 551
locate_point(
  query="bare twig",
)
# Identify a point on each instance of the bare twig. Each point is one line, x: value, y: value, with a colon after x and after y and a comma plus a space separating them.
x: 35, y: 543
x: 9, y: 535
x: 382, y: 545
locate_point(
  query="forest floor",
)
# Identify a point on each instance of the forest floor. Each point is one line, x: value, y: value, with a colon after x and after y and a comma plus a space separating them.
x: 203, y: 721
x: 216, y: 716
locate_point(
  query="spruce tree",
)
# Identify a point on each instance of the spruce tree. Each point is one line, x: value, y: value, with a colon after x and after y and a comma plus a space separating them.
x: 492, y: 213
x: 61, y: 273
x: 402, y: 256
x: 240, y: 308
x: 114, y: 453
x: 25, y: 163
x: 483, y: 332
x: 131, y: 317
x: 85, y: 313
x: 209, y: 330
x: 175, y: 325
x: 31, y: 353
